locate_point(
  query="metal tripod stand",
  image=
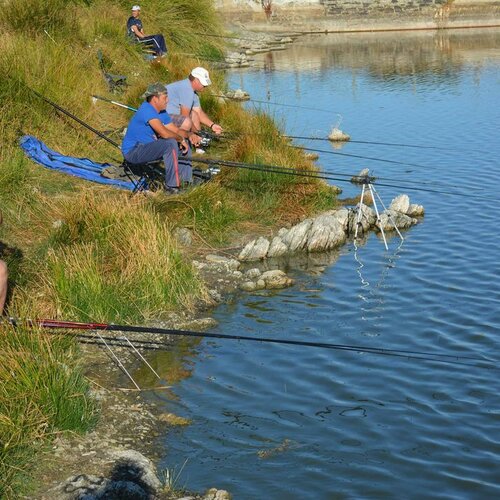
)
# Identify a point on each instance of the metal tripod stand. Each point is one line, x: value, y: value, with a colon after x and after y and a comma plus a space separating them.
x: 367, y: 184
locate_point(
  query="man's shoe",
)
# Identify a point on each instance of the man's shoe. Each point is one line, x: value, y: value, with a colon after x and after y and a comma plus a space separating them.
x: 172, y: 190
x: 200, y: 151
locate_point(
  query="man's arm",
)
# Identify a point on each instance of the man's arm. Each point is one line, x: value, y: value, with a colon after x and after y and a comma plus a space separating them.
x: 137, y: 32
x: 168, y: 132
x: 195, y: 139
x: 206, y: 120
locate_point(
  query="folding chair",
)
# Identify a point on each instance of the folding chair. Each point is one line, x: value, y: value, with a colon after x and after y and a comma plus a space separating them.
x: 151, y: 176
x: 145, y: 176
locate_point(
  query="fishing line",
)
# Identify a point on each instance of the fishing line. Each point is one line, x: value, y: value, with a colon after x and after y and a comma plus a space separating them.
x: 350, y: 155
x: 277, y: 104
x: 81, y: 122
x: 326, y: 139
x: 234, y: 37
x: 292, y: 171
x: 408, y: 354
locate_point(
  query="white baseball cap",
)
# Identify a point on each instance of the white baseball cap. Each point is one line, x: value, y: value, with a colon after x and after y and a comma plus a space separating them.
x: 136, y: 7
x: 202, y: 75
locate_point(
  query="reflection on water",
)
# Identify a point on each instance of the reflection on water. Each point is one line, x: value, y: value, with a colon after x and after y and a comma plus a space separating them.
x: 439, y: 54
x: 276, y: 421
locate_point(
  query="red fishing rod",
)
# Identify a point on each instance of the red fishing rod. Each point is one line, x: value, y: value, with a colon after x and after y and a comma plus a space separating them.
x: 110, y: 327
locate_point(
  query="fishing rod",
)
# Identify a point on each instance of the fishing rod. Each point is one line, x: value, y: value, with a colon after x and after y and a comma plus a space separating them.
x: 321, y: 110
x: 67, y: 113
x: 326, y: 139
x: 116, y: 103
x: 276, y: 169
x: 273, y: 169
x: 235, y: 37
x: 110, y: 327
x: 361, y: 157
x: 96, y: 97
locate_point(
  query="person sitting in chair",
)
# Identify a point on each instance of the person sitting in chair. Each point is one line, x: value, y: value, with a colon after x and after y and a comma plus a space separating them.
x: 151, y: 137
x: 136, y: 32
x: 184, y: 105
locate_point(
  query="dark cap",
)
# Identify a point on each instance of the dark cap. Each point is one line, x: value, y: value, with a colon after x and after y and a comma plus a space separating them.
x: 155, y: 89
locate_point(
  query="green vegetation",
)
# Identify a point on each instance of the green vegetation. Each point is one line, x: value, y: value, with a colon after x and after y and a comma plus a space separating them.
x: 80, y: 251
x: 39, y: 395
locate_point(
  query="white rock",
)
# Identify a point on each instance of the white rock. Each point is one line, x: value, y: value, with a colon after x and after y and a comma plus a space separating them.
x: 277, y: 248
x: 296, y: 237
x: 342, y: 215
x: 253, y: 273
x: 326, y: 233
x: 276, y: 279
x: 400, y: 204
x: 415, y: 210
x: 391, y: 217
x: 255, y: 250
x: 248, y: 286
x: 260, y: 284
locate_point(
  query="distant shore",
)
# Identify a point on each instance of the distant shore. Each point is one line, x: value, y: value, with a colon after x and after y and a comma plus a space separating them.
x: 305, y: 17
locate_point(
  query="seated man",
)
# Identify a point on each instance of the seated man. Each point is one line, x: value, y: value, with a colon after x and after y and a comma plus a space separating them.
x: 184, y: 104
x: 136, y: 32
x: 3, y: 279
x: 151, y: 137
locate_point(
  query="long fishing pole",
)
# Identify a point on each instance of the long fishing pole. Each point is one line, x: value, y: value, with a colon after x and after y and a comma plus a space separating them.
x: 116, y: 103
x: 243, y: 165
x: 95, y: 97
x: 81, y: 122
x: 326, y: 139
x: 321, y: 110
x: 270, y: 169
x: 408, y: 354
x: 320, y: 175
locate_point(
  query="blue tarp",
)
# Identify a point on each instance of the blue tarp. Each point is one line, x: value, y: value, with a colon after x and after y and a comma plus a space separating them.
x: 78, y: 167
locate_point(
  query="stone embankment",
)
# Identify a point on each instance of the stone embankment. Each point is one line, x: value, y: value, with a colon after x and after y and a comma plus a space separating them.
x: 347, y: 15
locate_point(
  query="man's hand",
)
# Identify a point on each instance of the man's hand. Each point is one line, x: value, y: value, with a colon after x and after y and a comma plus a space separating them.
x: 184, y: 146
x: 195, y: 139
x: 216, y: 128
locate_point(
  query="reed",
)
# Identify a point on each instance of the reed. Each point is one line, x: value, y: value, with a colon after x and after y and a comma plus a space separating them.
x: 39, y: 396
x: 115, y: 262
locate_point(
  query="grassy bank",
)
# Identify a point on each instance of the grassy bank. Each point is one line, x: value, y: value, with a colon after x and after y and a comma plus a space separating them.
x: 80, y: 251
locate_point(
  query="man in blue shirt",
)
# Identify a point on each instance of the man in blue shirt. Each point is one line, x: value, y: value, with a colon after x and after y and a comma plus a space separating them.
x: 184, y: 104
x: 151, y: 136
x: 136, y: 32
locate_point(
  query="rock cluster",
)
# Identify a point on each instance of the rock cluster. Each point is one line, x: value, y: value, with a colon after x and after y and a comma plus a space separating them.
x: 132, y: 476
x: 236, y: 60
x: 331, y: 229
x: 270, y: 280
x: 230, y: 278
x: 255, y: 44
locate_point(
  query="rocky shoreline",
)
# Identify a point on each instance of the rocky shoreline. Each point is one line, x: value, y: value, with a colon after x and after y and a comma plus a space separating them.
x: 111, y: 460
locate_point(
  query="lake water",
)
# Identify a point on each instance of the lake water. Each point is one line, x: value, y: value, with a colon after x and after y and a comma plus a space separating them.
x: 281, y: 422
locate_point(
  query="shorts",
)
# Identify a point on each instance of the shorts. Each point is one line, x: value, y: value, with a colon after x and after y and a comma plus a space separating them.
x: 178, y: 120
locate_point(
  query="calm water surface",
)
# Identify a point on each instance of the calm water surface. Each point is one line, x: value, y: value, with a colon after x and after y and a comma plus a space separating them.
x: 274, y: 421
